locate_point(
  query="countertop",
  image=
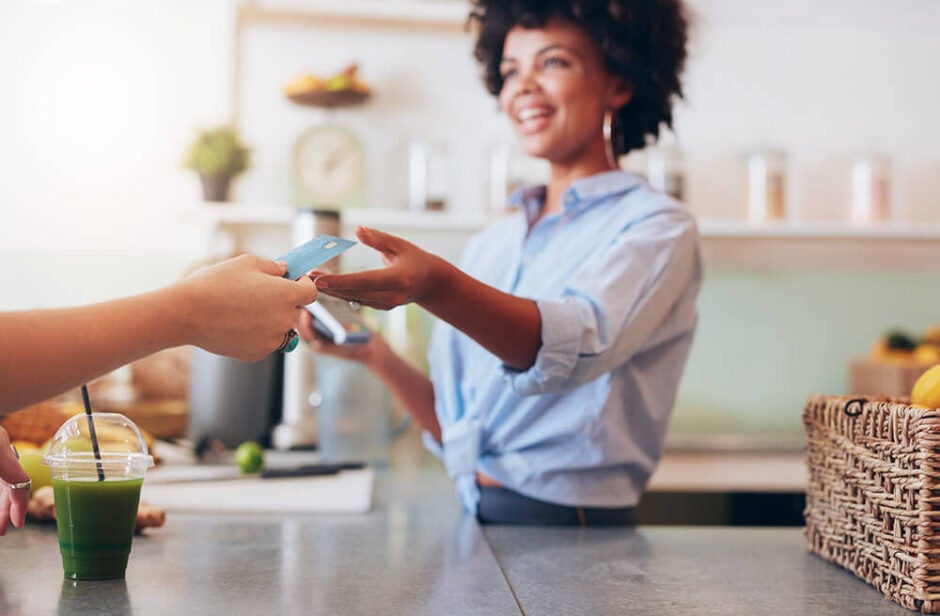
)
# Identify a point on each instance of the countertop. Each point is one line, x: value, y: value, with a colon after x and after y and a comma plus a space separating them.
x: 417, y: 553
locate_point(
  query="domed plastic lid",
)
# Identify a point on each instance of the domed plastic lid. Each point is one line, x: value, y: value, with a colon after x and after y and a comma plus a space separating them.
x: 122, y: 448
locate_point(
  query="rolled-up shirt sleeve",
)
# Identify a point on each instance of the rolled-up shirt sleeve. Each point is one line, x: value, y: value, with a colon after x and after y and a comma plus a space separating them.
x: 626, y: 300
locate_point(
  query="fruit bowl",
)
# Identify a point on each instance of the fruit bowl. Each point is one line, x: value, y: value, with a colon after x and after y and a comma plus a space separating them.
x: 344, y: 89
x: 329, y: 98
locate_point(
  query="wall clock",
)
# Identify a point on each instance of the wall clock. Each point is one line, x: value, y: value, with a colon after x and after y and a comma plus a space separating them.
x: 329, y: 167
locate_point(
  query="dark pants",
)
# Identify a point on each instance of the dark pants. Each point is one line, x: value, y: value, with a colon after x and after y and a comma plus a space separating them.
x: 503, y: 506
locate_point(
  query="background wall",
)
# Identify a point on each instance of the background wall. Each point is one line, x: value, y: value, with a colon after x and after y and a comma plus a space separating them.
x: 97, y: 102
x: 766, y: 341
x: 99, y: 98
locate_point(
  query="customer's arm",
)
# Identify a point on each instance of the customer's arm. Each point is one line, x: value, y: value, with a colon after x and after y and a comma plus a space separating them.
x: 241, y: 307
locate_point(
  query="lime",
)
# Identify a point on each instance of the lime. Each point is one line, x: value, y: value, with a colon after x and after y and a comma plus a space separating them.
x: 249, y: 457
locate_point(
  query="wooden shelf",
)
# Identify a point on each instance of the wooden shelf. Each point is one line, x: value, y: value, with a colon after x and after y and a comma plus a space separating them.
x: 827, y: 230
x: 240, y: 214
x: 233, y: 215
x: 434, y: 14
x: 725, y: 243
x: 820, y: 245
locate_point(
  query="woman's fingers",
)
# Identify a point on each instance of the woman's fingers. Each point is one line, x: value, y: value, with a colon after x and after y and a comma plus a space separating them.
x: 379, y: 240
x: 360, y: 282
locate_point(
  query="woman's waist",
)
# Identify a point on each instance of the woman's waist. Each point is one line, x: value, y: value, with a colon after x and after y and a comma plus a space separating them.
x: 590, y: 487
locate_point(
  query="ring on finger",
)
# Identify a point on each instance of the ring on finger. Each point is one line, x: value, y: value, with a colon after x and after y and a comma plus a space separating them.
x: 355, y: 305
x: 290, y: 341
x: 23, y: 485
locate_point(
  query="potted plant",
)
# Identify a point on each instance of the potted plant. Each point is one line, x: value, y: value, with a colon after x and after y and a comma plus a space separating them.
x: 217, y: 155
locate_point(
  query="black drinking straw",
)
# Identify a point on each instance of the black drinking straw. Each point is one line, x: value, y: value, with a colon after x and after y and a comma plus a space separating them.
x: 91, y: 429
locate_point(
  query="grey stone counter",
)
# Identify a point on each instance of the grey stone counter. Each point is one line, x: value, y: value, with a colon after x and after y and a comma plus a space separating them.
x: 692, y: 571
x: 416, y: 553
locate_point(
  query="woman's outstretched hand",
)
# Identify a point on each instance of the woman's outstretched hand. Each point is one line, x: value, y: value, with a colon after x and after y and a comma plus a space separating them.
x: 410, y: 274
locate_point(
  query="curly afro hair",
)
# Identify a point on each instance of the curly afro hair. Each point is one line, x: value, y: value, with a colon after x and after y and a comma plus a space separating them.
x: 643, y: 41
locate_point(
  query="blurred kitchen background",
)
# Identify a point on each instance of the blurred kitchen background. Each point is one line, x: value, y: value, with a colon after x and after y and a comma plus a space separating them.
x: 100, y: 99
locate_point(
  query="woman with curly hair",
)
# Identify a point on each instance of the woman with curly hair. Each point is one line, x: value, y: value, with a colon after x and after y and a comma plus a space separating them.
x: 563, y: 334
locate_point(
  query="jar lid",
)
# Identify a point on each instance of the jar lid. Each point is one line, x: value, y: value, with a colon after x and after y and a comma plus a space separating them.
x: 121, y: 446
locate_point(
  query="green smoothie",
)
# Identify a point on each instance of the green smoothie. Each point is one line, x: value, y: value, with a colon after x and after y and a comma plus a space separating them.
x: 96, y: 524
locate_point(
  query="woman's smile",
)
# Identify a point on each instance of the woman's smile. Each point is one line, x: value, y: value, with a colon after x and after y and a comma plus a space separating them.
x: 532, y: 119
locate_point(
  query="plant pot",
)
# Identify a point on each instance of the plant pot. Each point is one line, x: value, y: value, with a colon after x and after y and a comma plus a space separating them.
x: 215, y: 188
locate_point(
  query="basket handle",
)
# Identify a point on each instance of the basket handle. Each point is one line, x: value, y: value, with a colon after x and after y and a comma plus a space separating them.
x: 848, y: 407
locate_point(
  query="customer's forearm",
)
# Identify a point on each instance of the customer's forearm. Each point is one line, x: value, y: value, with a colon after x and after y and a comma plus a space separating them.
x: 44, y: 353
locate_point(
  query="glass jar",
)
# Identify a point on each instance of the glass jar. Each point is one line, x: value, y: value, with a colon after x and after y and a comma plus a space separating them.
x: 509, y: 170
x: 664, y: 171
x: 427, y: 176
x: 766, y: 185
x: 870, y: 189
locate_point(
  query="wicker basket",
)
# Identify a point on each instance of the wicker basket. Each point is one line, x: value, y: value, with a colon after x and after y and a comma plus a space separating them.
x: 873, y: 496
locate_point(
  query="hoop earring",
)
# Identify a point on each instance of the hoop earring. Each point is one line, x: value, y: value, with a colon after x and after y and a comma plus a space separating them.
x: 609, y: 139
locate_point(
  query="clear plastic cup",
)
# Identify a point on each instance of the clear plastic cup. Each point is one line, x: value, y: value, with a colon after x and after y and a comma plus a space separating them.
x: 96, y: 496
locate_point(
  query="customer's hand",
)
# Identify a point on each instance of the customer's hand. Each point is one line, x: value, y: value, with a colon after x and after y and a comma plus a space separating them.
x: 410, y: 275
x: 12, y: 502
x: 241, y: 307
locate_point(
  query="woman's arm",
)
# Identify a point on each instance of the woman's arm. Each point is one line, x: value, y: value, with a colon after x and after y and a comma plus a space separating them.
x: 410, y: 387
x: 505, y: 325
x: 241, y: 307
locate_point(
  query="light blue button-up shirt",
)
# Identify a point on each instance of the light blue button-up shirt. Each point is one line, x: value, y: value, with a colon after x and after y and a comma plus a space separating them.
x: 615, y: 275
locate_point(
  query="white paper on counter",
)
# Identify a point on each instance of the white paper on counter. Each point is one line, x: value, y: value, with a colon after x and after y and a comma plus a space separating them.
x: 346, y: 492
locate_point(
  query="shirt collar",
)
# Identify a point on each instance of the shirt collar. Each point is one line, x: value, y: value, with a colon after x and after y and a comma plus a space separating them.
x: 579, y: 195
x: 530, y: 199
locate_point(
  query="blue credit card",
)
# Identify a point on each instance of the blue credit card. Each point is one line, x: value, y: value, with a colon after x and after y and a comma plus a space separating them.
x: 310, y: 254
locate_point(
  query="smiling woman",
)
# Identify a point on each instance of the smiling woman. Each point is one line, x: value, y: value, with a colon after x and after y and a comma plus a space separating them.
x: 564, y: 332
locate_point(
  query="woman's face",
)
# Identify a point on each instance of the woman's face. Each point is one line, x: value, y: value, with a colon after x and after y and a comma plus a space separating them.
x: 556, y: 89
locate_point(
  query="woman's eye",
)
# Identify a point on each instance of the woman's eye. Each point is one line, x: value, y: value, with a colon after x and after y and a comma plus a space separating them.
x: 555, y: 62
x: 506, y: 73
